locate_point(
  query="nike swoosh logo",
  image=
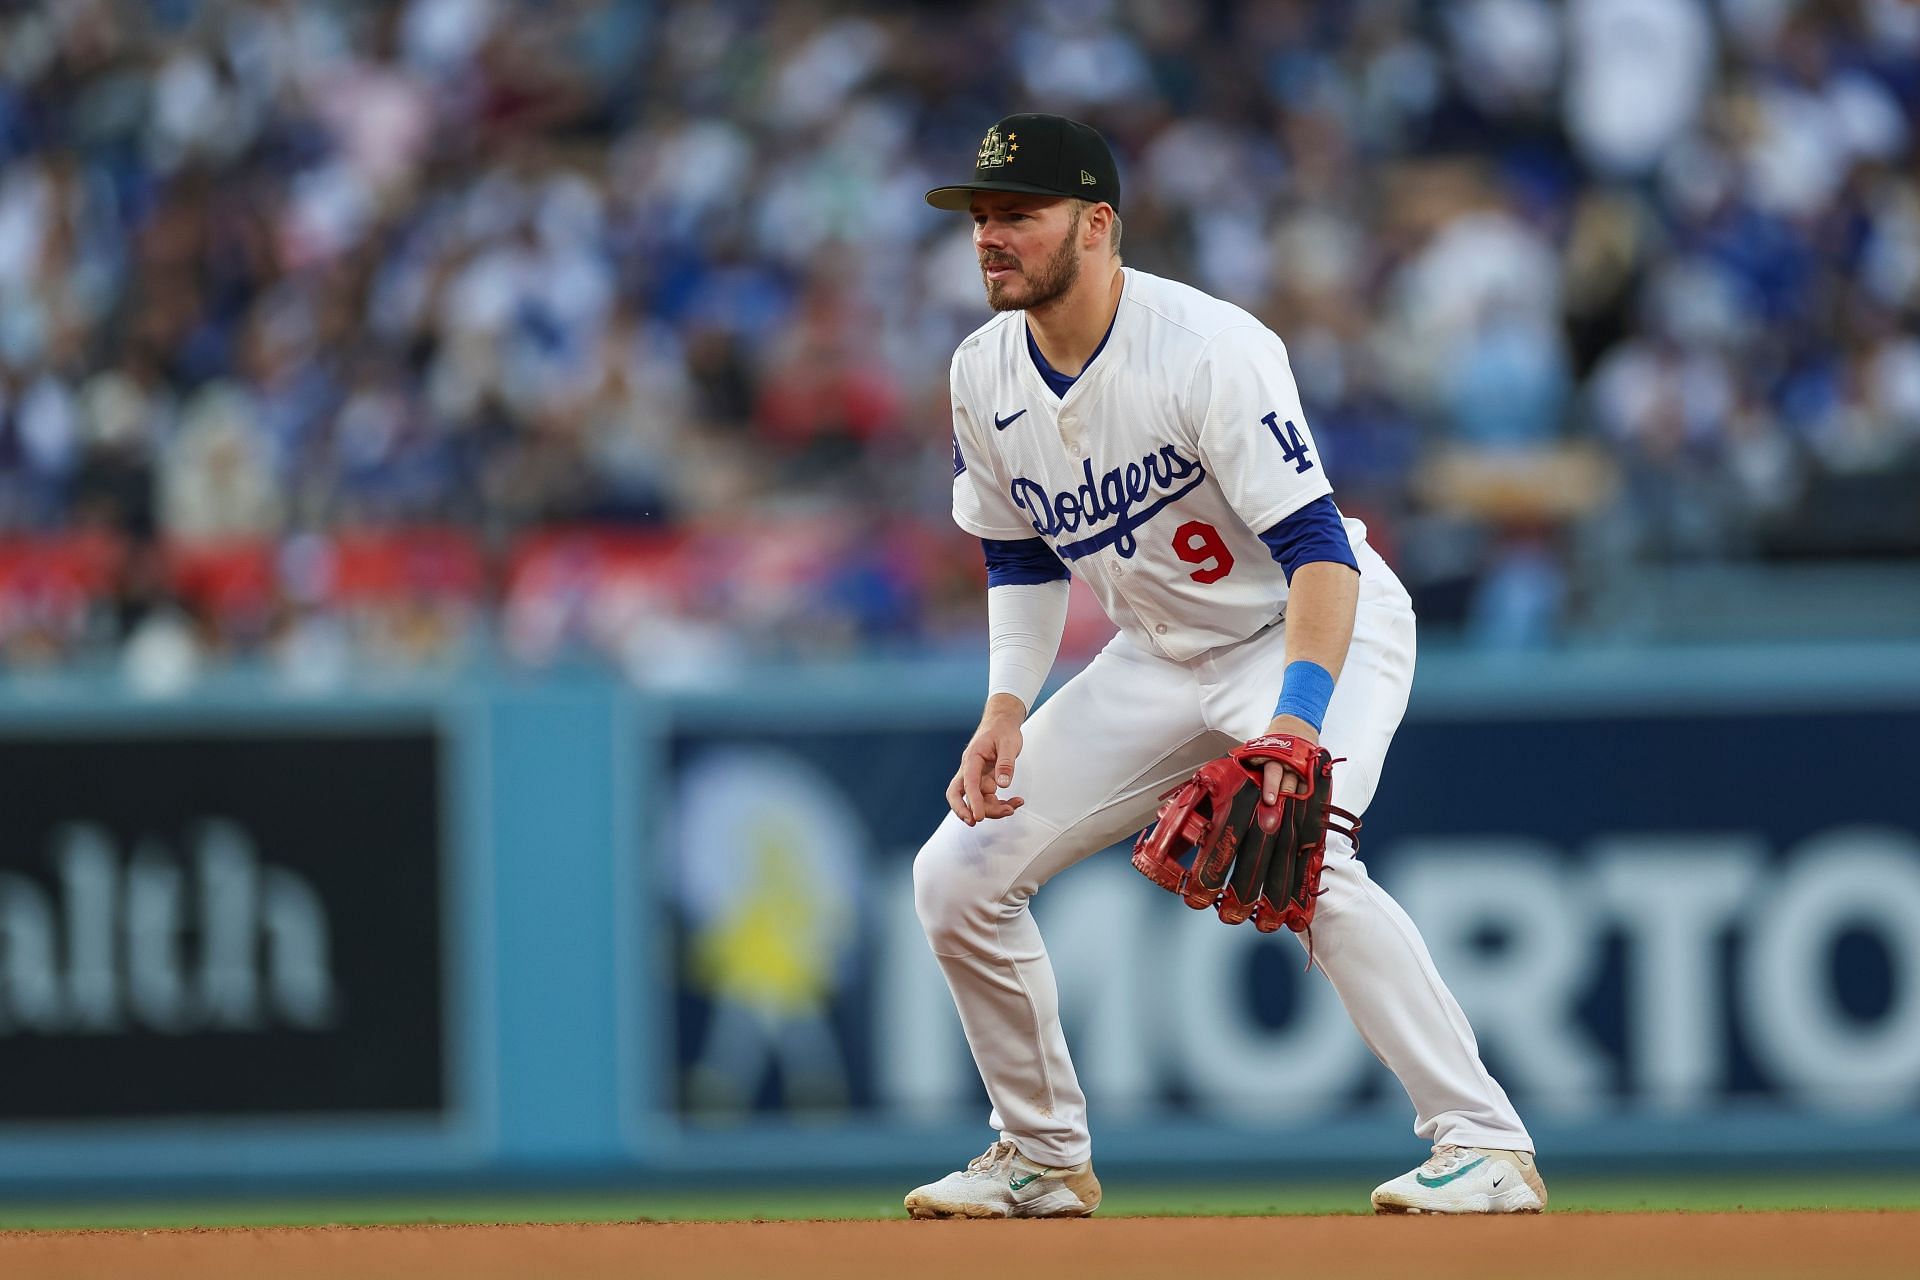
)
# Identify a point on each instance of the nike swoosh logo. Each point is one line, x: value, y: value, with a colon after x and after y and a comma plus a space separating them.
x: 1445, y: 1178
x: 1018, y: 1183
x: 1001, y: 424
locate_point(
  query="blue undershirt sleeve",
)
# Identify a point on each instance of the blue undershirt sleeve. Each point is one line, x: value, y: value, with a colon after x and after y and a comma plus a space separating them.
x: 1311, y: 534
x: 1021, y: 562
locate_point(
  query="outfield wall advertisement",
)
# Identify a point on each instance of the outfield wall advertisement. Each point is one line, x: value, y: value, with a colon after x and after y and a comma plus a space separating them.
x: 571, y: 929
x: 1646, y: 915
x: 243, y: 924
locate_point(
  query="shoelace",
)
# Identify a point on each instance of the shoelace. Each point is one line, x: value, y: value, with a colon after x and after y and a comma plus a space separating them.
x: 1445, y: 1159
x: 992, y: 1158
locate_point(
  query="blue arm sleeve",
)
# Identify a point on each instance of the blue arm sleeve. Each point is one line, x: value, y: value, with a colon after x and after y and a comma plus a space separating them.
x: 1311, y: 534
x: 1019, y: 562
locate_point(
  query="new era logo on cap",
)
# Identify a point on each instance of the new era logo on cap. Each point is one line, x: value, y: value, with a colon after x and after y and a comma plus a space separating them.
x: 1042, y: 155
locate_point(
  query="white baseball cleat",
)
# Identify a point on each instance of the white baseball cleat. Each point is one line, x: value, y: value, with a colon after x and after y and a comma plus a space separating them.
x: 1466, y: 1180
x: 1002, y: 1183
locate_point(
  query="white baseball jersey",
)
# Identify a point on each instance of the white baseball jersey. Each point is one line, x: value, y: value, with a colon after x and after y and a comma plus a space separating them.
x: 1156, y: 473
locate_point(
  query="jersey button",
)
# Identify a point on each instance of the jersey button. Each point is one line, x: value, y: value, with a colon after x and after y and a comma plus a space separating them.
x: 1159, y: 628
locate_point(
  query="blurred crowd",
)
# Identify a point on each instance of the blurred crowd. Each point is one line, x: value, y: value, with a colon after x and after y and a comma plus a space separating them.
x: 336, y: 335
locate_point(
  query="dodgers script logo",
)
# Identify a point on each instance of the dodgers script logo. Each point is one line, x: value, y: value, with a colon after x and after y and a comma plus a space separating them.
x: 1115, y: 496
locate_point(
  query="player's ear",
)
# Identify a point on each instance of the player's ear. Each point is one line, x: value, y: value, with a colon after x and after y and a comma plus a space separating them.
x: 1095, y: 225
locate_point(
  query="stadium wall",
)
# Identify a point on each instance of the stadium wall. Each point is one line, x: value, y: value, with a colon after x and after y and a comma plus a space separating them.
x: 526, y: 928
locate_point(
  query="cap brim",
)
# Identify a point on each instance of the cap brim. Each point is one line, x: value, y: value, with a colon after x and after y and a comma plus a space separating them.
x: 959, y: 199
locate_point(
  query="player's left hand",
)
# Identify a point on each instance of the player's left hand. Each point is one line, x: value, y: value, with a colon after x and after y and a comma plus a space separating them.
x: 1278, y: 780
x: 1204, y: 846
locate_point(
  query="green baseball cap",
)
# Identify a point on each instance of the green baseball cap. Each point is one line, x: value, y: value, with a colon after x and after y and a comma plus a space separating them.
x: 1038, y: 155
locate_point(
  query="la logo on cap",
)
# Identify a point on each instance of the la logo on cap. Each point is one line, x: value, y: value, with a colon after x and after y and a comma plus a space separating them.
x: 995, y: 150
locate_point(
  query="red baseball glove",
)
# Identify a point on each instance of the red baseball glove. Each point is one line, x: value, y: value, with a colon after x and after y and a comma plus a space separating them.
x: 1239, y: 869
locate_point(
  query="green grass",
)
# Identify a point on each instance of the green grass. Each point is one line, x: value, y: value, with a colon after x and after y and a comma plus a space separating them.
x: 1609, y: 1195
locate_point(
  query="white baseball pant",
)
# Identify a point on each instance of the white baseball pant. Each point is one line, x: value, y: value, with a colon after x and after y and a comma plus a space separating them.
x: 1096, y: 757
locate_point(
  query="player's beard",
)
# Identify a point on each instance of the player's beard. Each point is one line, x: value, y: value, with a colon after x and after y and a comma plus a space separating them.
x: 1059, y: 273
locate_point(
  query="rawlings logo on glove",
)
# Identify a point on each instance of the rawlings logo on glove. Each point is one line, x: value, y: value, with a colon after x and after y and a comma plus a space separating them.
x: 1239, y: 868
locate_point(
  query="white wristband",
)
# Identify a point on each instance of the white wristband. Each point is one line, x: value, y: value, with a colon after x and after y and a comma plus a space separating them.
x: 1024, y: 626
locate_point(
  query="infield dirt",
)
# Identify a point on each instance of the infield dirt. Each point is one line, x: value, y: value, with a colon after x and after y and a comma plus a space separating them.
x: 1573, y: 1245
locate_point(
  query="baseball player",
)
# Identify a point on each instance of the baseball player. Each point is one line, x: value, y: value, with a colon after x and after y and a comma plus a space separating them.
x: 1149, y: 438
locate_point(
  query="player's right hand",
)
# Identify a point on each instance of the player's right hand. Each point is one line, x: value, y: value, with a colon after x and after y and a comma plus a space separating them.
x: 986, y: 766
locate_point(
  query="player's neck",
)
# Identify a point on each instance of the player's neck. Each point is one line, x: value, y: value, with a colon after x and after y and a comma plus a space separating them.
x: 1069, y: 329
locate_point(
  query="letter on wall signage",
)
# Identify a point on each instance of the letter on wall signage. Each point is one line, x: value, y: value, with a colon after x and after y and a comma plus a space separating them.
x: 921, y: 1068
x: 156, y: 968
x: 89, y: 881
x: 1105, y: 971
x: 29, y: 983
x: 1229, y: 1058
x: 1520, y: 994
x: 1676, y: 896
x: 1851, y: 878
